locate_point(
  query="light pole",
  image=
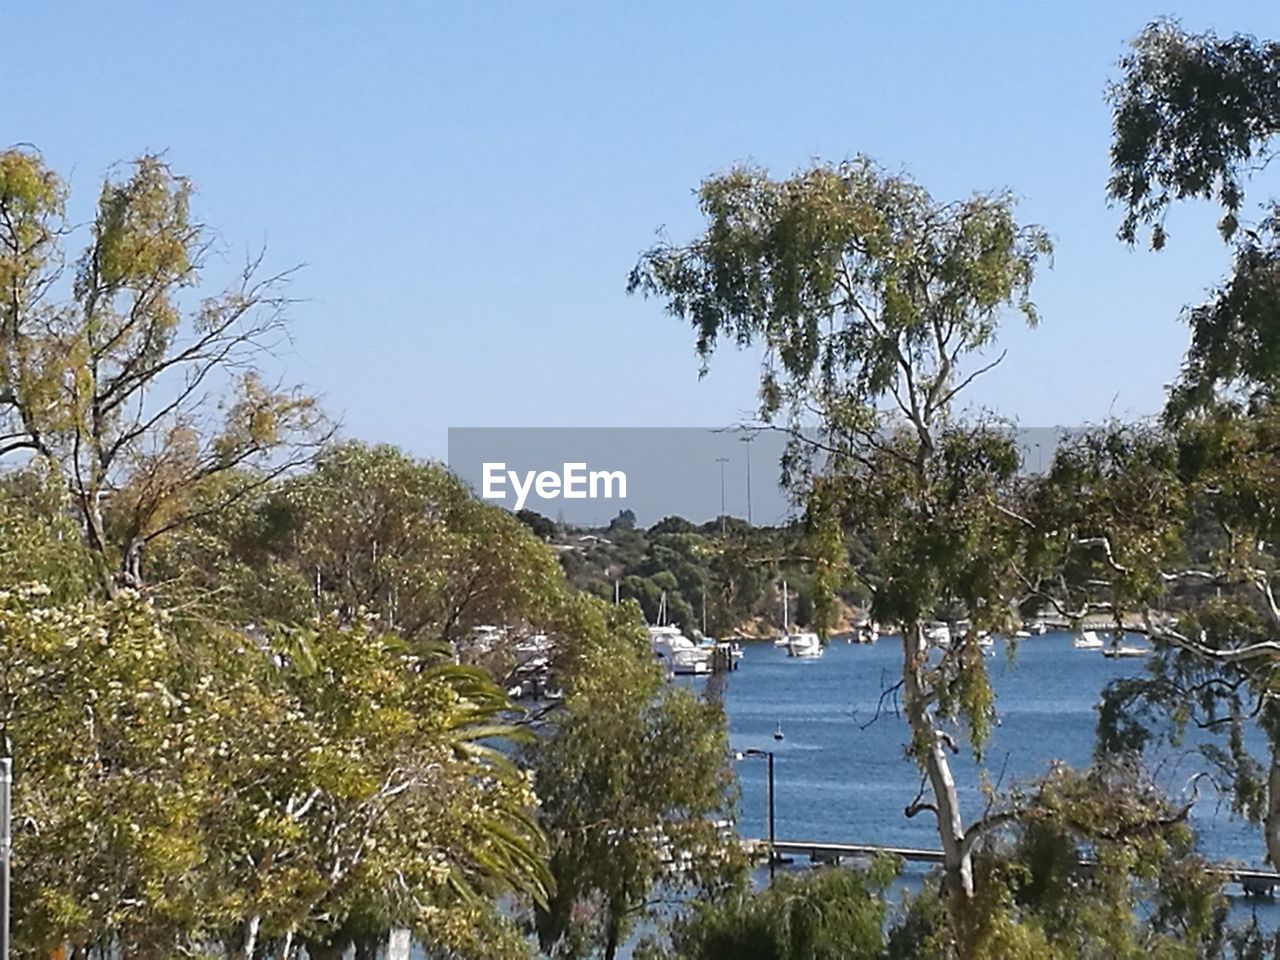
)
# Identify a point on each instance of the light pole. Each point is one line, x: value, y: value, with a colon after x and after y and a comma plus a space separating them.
x: 6, y: 844
x: 722, y: 461
x: 747, y: 440
x: 768, y: 755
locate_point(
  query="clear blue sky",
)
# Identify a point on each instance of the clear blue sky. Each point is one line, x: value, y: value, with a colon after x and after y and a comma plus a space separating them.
x: 469, y: 183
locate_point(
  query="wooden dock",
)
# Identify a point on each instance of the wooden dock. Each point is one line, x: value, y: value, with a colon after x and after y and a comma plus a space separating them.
x: 1255, y: 882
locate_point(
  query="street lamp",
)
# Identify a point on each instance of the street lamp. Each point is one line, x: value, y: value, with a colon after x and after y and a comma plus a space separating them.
x: 747, y: 440
x: 722, y: 461
x: 768, y: 755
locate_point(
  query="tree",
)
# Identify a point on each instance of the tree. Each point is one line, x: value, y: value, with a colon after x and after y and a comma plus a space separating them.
x: 133, y: 394
x: 836, y: 914
x: 1195, y: 115
x: 862, y: 288
x: 107, y: 845
x: 1186, y: 519
x: 1143, y: 891
x: 631, y: 777
x: 369, y: 531
x: 177, y: 788
x: 361, y: 782
x: 542, y: 527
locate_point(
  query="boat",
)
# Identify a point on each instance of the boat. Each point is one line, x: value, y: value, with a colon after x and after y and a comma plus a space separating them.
x: 1037, y: 628
x: 937, y: 633
x: 677, y: 653
x: 1022, y: 634
x: 804, y: 644
x: 1088, y: 640
x: 1125, y: 650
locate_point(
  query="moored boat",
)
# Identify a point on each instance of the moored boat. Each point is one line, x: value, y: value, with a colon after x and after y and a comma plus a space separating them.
x: 1125, y: 651
x: 804, y: 644
x: 1088, y: 640
x: 678, y: 654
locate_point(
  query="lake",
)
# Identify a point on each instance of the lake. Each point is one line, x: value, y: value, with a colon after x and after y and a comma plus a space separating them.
x: 840, y: 777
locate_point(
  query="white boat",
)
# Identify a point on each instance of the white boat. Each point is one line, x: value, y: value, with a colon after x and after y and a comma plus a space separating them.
x: 679, y: 655
x: 1037, y: 628
x: 1124, y: 650
x: 1022, y: 634
x: 803, y: 645
x: 1088, y: 640
x: 937, y: 633
x: 780, y: 640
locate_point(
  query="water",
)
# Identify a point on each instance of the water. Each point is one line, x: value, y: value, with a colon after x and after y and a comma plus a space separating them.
x: 840, y: 777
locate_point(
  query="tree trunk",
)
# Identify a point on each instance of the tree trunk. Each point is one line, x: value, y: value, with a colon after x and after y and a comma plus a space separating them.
x: 95, y: 528
x: 613, y: 933
x: 399, y: 943
x: 250, y: 937
x: 317, y: 950
x: 928, y: 749
x: 1271, y: 824
x: 285, y: 947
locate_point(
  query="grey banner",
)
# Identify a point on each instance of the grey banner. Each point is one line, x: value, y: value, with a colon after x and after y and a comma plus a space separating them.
x: 575, y: 474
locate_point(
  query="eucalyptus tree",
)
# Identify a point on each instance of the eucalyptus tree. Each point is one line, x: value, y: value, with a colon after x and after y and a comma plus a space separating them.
x: 875, y: 305
x: 120, y: 373
x: 1196, y: 116
x: 1186, y: 518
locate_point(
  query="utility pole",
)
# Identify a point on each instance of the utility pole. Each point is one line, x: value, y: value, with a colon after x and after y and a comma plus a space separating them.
x: 6, y: 846
x: 722, y: 461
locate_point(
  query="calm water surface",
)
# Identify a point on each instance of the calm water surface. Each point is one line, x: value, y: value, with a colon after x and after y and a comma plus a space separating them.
x: 840, y: 779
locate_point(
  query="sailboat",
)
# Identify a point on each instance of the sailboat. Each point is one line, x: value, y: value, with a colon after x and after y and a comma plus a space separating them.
x: 677, y: 653
x: 801, y: 643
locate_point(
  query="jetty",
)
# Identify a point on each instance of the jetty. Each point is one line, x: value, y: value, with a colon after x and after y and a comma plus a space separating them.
x: 1253, y: 881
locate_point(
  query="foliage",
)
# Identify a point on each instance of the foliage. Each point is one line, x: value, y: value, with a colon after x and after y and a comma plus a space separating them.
x: 631, y: 777
x: 135, y: 397
x: 42, y: 543
x: 865, y: 291
x: 1094, y: 864
x: 1186, y: 520
x: 732, y: 569
x: 174, y: 788
x: 369, y: 531
x: 1193, y: 117
x: 833, y: 914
